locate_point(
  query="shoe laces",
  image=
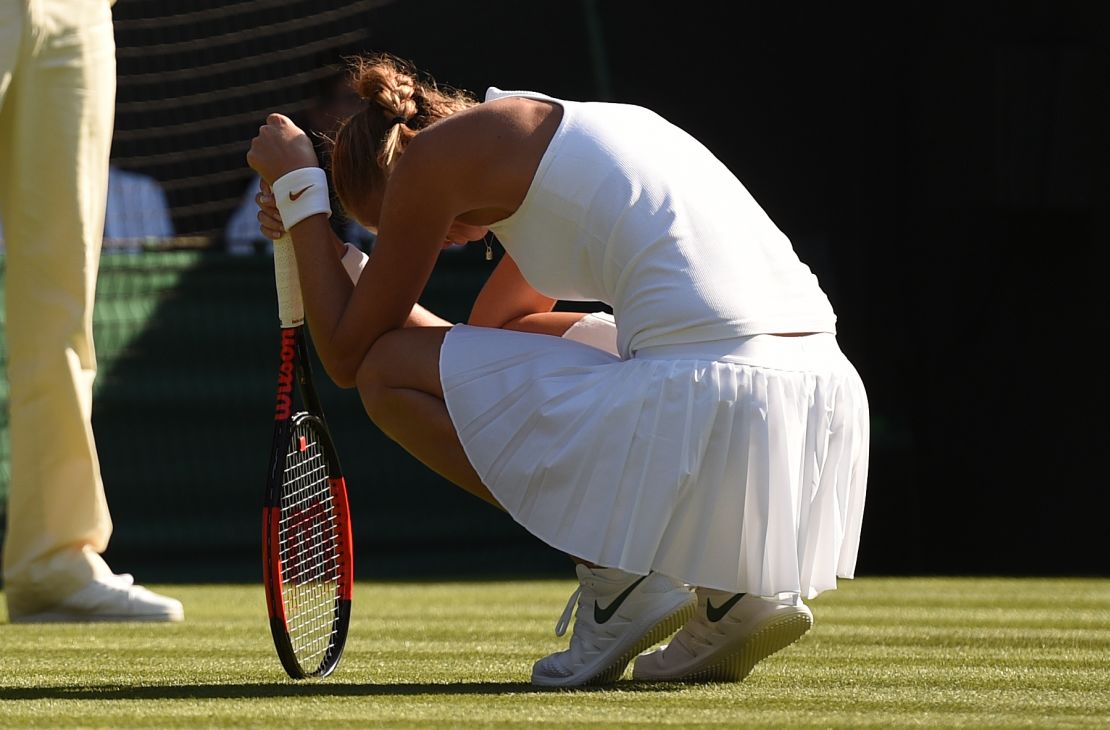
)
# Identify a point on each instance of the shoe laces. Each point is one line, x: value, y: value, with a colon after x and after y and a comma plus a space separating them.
x: 587, y: 636
x: 564, y: 620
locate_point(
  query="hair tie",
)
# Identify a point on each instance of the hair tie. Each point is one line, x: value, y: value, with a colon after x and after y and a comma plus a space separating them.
x: 397, y: 120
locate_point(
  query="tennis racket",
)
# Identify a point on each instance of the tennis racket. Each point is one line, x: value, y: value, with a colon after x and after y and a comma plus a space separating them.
x: 307, y: 554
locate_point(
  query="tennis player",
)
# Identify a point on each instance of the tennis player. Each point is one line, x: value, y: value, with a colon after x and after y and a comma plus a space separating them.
x: 702, y: 454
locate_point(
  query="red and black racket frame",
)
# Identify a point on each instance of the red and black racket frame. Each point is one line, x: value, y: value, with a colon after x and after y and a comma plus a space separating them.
x: 294, y: 364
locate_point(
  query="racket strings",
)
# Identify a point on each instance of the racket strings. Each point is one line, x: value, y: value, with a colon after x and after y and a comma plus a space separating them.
x: 309, y: 549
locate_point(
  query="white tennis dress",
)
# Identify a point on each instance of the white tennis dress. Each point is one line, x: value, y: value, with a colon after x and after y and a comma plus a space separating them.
x: 684, y: 438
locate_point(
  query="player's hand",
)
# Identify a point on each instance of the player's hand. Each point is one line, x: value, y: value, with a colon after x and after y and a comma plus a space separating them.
x: 280, y: 147
x: 269, y: 217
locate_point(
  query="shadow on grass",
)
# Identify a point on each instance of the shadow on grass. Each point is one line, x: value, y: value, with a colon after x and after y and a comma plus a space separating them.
x: 308, y: 689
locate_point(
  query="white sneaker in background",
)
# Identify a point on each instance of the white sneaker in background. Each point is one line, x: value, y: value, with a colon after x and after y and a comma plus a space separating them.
x: 114, y: 598
x: 619, y: 615
x: 729, y: 634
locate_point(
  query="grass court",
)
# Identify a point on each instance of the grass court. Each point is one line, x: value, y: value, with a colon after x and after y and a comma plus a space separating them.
x: 924, y: 652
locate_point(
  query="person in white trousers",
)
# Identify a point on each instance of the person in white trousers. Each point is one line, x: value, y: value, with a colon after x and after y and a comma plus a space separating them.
x: 57, y: 105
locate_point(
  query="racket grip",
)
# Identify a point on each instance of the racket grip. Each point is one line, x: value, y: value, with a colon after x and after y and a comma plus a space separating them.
x: 290, y: 304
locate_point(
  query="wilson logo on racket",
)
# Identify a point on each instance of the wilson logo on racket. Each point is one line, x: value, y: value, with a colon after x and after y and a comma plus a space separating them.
x: 305, y: 536
x: 285, y: 376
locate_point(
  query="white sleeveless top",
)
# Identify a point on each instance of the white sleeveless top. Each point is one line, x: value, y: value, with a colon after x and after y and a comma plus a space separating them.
x: 627, y: 209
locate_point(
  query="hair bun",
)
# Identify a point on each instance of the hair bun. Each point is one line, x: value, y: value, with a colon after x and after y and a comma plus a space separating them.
x: 386, y: 83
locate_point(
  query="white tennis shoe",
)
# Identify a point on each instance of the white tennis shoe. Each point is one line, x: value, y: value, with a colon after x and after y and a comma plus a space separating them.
x: 729, y: 634
x: 619, y: 615
x: 113, y: 598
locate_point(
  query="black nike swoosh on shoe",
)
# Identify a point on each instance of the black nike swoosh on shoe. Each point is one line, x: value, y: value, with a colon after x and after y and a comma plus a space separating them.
x: 601, y: 615
x: 715, y: 614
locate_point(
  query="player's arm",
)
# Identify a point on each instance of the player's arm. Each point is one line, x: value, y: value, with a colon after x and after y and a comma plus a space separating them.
x: 469, y: 162
x: 270, y: 224
x: 423, y: 198
x: 507, y: 297
x: 279, y: 148
x: 346, y: 320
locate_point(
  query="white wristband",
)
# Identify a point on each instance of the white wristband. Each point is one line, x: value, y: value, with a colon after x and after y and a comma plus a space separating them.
x: 301, y: 193
x: 353, y: 261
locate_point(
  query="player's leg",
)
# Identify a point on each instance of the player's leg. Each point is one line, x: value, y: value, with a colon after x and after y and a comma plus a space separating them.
x: 421, y: 317
x: 399, y: 383
x: 619, y: 614
x: 400, y: 388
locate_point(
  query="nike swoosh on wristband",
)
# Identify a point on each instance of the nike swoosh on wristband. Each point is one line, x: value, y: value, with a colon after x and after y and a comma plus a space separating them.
x: 601, y: 615
x: 715, y: 614
x: 293, y: 196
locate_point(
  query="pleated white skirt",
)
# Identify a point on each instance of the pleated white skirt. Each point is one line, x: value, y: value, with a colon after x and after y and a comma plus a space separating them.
x: 738, y: 465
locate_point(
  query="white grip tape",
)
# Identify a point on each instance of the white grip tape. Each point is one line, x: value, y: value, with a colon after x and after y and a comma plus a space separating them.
x: 290, y: 304
x: 354, y: 261
x: 300, y: 194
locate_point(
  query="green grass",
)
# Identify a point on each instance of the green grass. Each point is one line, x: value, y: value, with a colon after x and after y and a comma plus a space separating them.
x: 882, y: 653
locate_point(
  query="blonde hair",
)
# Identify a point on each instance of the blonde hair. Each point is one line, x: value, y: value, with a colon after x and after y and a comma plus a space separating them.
x: 400, y: 101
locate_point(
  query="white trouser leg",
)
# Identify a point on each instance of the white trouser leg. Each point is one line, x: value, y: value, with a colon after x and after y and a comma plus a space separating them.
x: 57, y: 98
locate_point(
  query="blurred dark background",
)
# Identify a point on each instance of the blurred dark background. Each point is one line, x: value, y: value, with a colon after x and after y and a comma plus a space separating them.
x: 941, y: 166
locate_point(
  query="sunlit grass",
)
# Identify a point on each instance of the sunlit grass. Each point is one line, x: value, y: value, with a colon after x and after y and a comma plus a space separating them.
x: 883, y: 652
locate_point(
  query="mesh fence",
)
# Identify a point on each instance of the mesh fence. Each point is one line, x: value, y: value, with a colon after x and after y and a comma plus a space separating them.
x: 195, y: 79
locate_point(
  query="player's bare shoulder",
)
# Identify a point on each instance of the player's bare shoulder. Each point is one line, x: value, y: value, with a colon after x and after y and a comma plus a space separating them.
x: 495, y: 146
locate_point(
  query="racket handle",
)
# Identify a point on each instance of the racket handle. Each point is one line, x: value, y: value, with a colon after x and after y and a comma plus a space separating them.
x: 290, y: 304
